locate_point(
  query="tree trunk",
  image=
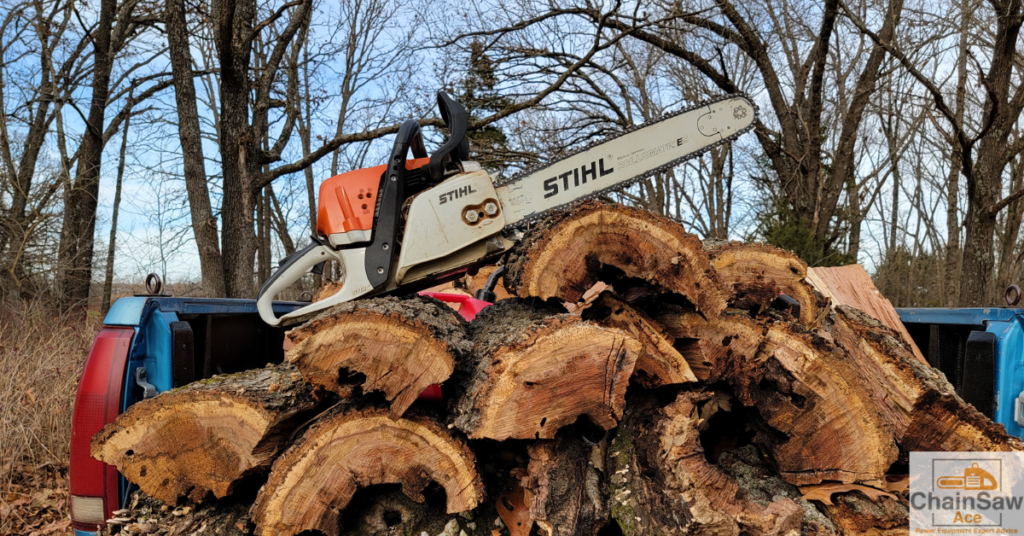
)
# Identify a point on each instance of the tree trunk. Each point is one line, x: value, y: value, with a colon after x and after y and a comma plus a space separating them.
x: 108, y: 279
x: 348, y: 450
x: 538, y: 370
x: 74, y: 260
x: 239, y: 148
x: 978, y: 264
x: 399, y: 347
x: 208, y: 436
x: 204, y: 224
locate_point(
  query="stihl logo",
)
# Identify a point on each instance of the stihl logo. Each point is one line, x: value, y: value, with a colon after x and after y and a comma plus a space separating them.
x: 579, y: 176
x: 455, y: 194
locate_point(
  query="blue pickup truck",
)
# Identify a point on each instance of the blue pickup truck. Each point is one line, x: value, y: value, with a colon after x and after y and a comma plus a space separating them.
x: 150, y: 344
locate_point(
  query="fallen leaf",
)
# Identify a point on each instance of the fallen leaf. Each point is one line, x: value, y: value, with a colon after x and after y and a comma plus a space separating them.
x: 824, y: 492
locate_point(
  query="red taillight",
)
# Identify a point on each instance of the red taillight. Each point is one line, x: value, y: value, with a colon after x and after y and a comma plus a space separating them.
x: 94, y: 493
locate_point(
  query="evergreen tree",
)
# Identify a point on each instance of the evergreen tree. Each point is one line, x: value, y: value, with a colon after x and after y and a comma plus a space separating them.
x: 479, y: 95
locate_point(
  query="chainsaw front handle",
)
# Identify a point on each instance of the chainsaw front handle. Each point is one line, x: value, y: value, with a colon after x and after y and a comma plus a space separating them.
x: 354, y: 281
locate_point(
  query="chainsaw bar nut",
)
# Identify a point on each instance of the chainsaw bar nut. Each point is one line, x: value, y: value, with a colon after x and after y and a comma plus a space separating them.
x: 491, y: 208
x: 472, y: 216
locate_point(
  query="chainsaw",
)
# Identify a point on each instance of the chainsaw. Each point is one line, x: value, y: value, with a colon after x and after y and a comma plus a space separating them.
x: 413, y: 223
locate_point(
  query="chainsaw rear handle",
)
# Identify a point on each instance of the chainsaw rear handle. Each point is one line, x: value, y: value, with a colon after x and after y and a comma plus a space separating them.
x: 354, y: 282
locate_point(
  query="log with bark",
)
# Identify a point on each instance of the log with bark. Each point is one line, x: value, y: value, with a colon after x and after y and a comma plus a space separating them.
x: 537, y: 369
x: 917, y: 402
x: 207, y: 436
x: 396, y: 346
x: 348, y: 449
x: 821, y: 423
x: 755, y: 275
x: 566, y: 254
x: 662, y: 483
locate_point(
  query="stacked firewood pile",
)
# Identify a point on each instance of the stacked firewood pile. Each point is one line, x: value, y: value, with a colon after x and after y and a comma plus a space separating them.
x: 686, y: 398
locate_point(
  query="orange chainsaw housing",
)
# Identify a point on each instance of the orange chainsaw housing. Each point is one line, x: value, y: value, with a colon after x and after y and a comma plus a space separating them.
x: 347, y: 201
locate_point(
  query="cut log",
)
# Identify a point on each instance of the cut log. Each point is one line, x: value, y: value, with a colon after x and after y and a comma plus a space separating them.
x: 568, y: 253
x: 916, y: 400
x: 566, y: 490
x: 755, y: 275
x: 851, y: 285
x: 345, y: 450
x: 659, y: 362
x: 400, y: 347
x: 538, y: 370
x: 821, y: 421
x: 206, y: 436
x: 661, y: 482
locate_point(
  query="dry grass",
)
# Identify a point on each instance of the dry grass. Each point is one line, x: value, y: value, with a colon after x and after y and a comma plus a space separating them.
x: 41, y: 358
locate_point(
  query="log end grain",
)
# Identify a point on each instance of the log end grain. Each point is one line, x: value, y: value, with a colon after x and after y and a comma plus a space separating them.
x: 312, y: 483
x: 400, y: 347
x: 568, y: 253
x: 537, y: 371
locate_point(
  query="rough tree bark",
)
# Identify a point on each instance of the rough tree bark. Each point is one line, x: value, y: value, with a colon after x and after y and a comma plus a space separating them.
x: 74, y: 259
x: 204, y: 224
x: 565, y: 484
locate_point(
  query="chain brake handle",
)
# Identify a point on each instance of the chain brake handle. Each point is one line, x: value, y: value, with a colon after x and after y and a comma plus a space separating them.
x: 446, y: 159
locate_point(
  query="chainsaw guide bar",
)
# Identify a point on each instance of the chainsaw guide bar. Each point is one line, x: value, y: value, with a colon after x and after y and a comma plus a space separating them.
x: 624, y: 159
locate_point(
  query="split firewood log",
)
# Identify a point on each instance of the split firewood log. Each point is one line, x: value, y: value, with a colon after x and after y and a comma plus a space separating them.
x: 659, y: 363
x: 662, y: 483
x: 565, y: 483
x: 755, y: 275
x: 398, y: 346
x: 538, y: 369
x: 208, y: 435
x: 820, y: 421
x: 348, y: 449
x: 566, y: 254
x: 922, y: 408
